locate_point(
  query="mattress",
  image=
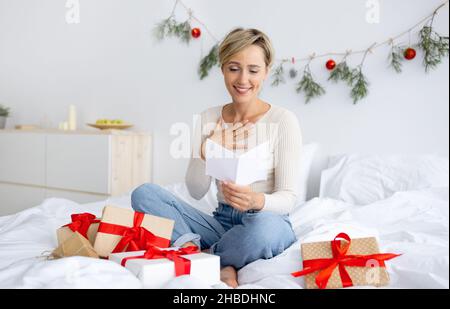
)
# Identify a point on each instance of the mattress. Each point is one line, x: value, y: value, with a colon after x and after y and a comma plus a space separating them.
x: 413, y: 223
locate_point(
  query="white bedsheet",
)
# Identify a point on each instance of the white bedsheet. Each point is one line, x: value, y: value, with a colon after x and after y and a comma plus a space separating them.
x: 414, y: 223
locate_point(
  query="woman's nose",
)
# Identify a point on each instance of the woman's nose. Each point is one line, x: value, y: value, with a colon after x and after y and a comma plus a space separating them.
x: 243, y: 77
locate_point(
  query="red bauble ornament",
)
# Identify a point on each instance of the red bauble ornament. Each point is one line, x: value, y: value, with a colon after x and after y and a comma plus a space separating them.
x: 196, y: 33
x: 331, y: 64
x: 410, y: 53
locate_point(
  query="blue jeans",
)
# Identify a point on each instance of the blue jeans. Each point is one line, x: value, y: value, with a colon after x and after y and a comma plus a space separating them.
x: 239, y: 238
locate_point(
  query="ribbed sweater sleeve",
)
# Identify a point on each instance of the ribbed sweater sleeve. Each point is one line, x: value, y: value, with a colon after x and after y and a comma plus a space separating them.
x: 288, y: 142
x: 197, y: 181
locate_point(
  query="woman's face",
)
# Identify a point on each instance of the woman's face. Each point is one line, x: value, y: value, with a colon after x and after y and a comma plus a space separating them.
x: 245, y: 73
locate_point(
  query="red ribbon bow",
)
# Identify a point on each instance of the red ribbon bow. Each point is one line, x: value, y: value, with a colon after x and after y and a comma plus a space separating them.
x: 340, y: 259
x: 134, y: 238
x: 81, y: 223
x: 182, y: 265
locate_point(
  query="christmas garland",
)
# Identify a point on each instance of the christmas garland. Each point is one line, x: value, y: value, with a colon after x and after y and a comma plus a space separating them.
x: 434, y: 47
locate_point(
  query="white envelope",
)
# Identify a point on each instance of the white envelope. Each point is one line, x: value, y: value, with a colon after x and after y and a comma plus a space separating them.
x: 241, y: 169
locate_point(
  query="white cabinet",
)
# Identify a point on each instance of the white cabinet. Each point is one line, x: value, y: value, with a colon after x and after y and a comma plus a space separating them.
x: 82, y: 166
x: 22, y: 158
x: 79, y: 162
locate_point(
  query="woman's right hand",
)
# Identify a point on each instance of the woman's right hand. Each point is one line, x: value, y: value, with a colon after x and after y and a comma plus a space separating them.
x: 230, y: 137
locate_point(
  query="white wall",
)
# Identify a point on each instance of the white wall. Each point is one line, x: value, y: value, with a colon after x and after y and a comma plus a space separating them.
x: 109, y: 66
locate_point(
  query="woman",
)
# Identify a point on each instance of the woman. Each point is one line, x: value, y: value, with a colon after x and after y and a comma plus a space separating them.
x: 251, y: 221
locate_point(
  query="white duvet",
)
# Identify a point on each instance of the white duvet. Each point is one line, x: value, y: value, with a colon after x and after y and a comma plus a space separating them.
x: 414, y: 223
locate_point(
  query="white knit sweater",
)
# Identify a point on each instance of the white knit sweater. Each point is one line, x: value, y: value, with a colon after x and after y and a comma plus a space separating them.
x: 280, y: 127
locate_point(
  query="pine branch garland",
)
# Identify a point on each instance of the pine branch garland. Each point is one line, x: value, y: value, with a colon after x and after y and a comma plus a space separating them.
x: 360, y: 85
x: 163, y: 28
x: 278, y: 75
x: 434, y: 46
x: 341, y: 72
x: 171, y: 28
x: 208, y: 62
x: 396, y: 58
x: 309, y: 86
x: 183, y: 31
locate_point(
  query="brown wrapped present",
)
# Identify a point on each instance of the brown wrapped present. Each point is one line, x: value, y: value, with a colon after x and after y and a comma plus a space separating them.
x: 344, y: 262
x: 86, y: 224
x: 125, y: 230
x: 75, y: 245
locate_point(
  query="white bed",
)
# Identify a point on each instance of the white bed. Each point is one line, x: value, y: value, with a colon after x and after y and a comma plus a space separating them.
x: 407, y: 210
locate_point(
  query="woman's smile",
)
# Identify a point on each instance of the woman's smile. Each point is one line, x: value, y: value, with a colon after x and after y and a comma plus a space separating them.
x: 242, y: 90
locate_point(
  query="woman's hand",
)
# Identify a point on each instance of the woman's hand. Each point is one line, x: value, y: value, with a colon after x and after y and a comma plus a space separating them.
x: 242, y: 198
x: 230, y: 137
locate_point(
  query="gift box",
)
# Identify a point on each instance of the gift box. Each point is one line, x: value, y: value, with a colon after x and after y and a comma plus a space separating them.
x: 344, y: 262
x: 125, y: 230
x: 156, y: 267
x: 86, y: 224
x: 75, y: 245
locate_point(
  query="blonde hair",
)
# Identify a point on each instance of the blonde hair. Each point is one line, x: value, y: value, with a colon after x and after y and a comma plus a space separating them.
x: 239, y: 39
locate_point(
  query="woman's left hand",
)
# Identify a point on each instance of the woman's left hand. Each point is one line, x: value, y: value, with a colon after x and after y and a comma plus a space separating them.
x: 242, y: 198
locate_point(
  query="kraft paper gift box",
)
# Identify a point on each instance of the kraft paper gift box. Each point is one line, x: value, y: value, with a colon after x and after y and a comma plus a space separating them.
x: 75, y: 245
x: 119, y: 222
x: 78, y: 220
x: 362, y: 264
x: 155, y: 273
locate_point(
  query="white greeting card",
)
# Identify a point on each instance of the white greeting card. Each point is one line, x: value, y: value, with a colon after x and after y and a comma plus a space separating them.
x: 241, y: 169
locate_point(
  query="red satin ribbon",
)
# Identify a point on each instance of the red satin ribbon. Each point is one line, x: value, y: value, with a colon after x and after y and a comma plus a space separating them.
x: 81, y: 223
x: 182, y: 265
x: 134, y: 238
x: 340, y: 259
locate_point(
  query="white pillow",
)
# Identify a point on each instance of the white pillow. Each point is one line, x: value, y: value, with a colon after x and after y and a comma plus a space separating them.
x: 364, y: 179
x: 307, y: 155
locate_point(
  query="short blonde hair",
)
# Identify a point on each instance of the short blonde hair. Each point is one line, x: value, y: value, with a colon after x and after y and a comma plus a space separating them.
x: 239, y: 39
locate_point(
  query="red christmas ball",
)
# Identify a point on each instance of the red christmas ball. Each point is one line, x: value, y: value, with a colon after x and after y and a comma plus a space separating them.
x: 410, y: 53
x: 196, y: 33
x: 331, y: 64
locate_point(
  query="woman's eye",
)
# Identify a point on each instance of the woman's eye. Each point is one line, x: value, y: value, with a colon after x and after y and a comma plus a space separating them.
x: 234, y: 69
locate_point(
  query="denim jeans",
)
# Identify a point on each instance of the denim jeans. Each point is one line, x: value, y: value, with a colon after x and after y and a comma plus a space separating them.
x: 239, y: 238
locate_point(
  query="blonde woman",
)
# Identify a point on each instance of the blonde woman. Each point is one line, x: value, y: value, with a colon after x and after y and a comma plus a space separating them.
x: 251, y: 222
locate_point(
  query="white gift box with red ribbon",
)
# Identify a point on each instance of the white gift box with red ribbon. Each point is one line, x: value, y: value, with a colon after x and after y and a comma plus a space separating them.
x: 156, y: 273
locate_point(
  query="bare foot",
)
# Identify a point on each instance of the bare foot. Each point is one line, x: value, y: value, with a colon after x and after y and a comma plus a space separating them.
x: 228, y: 275
x: 188, y: 244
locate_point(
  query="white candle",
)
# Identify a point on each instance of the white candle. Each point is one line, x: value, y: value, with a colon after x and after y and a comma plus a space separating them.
x: 72, y: 118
